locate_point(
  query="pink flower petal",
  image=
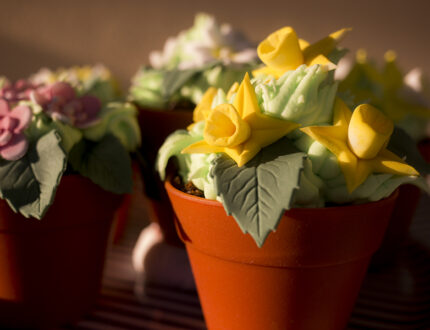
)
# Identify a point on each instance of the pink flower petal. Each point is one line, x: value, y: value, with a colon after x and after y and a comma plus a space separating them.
x: 4, y: 107
x: 7, y: 123
x: 42, y: 95
x: 23, y: 114
x: 91, y: 104
x: 22, y: 84
x: 90, y: 109
x: 16, y: 148
x: 5, y: 137
x: 63, y: 91
x: 72, y: 108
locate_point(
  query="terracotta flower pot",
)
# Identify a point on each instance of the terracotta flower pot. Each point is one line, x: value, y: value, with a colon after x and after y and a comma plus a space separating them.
x: 306, y: 276
x: 398, y: 226
x: 123, y: 212
x: 401, y: 219
x: 424, y: 147
x: 155, y: 126
x: 51, y: 268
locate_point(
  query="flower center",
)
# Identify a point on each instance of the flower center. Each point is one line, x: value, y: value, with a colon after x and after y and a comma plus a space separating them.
x: 281, y: 50
x: 225, y: 128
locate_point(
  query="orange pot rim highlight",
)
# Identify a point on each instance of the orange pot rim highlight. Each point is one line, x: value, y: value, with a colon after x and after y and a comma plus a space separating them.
x: 317, y: 237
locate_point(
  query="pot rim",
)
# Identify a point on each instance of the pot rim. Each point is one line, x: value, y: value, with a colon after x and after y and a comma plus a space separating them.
x: 15, y: 223
x: 210, y: 202
x: 304, y: 237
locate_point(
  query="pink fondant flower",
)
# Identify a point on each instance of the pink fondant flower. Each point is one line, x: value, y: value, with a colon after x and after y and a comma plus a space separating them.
x: 18, y: 91
x: 59, y: 101
x: 13, y: 143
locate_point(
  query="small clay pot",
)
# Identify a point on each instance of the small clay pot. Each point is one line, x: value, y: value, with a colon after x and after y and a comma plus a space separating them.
x: 51, y: 268
x: 424, y: 147
x: 155, y: 126
x: 307, y: 274
x: 401, y: 219
x: 123, y: 212
x: 398, y: 227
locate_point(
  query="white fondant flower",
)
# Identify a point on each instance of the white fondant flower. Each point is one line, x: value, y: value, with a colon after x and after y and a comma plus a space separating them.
x: 205, y: 42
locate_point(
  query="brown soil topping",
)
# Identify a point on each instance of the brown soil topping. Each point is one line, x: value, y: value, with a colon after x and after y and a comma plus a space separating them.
x: 188, y: 187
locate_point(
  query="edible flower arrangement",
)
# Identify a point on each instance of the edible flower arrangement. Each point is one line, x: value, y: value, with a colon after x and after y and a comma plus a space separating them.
x: 69, y: 121
x: 207, y: 54
x: 96, y: 80
x: 285, y: 139
x: 404, y: 98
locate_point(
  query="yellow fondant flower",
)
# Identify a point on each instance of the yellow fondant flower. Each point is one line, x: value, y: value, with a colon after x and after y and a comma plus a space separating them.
x: 240, y: 129
x: 394, y: 105
x: 383, y: 88
x: 233, y: 89
x: 282, y: 51
x: 202, y: 110
x: 359, y: 141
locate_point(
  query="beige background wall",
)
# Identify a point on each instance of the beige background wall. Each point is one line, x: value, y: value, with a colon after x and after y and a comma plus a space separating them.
x: 121, y: 33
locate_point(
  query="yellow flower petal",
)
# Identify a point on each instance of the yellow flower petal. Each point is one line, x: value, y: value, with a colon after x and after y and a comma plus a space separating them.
x: 332, y: 137
x: 324, y: 46
x: 203, y: 109
x: 335, y: 138
x: 238, y: 155
x: 281, y: 50
x: 240, y: 130
x: 264, y: 137
x: 388, y: 162
x: 267, y: 71
x: 245, y: 101
x: 303, y: 44
x: 323, y: 61
x: 361, y: 172
x: 341, y: 114
x: 201, y: 147
x: 369, y: 131
x: 233, y: 89
x: 225, y: 128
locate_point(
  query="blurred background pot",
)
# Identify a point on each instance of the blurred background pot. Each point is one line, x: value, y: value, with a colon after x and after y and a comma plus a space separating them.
x: 398, y: 229
x: 424, y: 147
x: 51, y: 269
x: 307, y: 275
x: 155, y: 126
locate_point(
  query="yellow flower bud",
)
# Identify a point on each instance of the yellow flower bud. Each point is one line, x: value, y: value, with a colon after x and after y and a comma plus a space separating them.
x: 281, y: 50
x: 225, y: 128
x: 369, y: 131
x: 203, y: 109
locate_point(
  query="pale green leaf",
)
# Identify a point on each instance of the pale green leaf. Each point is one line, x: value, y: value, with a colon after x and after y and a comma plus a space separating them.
x: 29, y: 183
x: 258, y: 193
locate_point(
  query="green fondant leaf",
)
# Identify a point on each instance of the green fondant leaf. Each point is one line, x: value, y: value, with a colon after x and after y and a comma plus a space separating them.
x: 173, y: 146
x: 105, y: 162
x: 29, y: 183
x: 403, y: 146
x: 174, y: 80
x: 69, y: 135
x: 258, y: 193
